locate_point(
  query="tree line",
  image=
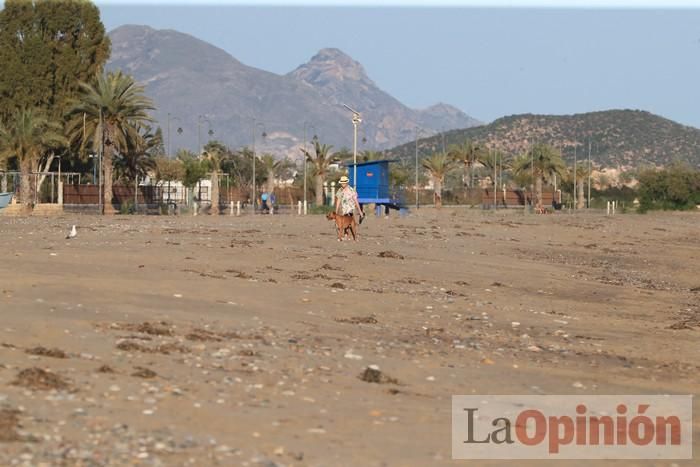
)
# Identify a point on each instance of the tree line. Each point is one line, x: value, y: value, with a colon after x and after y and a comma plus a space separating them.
x: 57, y: 100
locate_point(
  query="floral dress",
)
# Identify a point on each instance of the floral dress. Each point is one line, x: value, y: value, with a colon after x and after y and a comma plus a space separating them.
x: 347, y: 197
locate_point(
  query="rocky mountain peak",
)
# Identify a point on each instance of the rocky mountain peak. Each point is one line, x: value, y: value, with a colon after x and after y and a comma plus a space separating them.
x: 330, y: 65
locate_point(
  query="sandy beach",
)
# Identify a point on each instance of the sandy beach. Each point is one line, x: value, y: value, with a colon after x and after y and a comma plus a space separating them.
x: 183, y: 340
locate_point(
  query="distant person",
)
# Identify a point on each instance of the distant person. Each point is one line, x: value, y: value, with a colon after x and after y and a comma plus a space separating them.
x: 346, y: 203
x: 272, y: 200
x: 264, y: 199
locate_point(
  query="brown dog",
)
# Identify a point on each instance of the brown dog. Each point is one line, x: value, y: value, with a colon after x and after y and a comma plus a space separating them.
x: 343, y: 225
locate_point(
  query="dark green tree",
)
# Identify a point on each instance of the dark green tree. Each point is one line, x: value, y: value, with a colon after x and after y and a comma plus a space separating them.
x: 139, y: 157
x: 46, y: 48
x: 438, y: 165
x: 467, y: 154
x: 26, y: 137
x: 320, y: 161
x: 108, y: 117
x: 543, y: 162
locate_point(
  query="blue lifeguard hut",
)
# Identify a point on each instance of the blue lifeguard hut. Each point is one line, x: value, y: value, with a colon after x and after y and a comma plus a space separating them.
x: 373, y: 184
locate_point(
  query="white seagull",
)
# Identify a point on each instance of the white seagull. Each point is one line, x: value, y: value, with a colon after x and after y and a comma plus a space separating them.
x: 73, y: 233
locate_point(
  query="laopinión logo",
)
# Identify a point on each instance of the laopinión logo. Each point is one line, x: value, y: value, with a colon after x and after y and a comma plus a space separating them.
x: 572, y: 427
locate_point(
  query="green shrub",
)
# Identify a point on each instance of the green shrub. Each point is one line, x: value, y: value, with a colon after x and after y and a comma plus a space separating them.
x: 674, y: 188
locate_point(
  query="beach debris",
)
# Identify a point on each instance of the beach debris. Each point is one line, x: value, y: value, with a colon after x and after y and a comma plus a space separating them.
x: 142, y: 372
x: 352, y: 356
x: 40, y: 379
x: 358, y: 320
x: 390, y: 254
x: 9, y: 423
x: 372, y: 374
x: 44, y: 352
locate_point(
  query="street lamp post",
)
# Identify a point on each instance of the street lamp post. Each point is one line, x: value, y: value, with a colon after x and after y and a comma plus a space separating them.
x: 255, y: 125
x: 100, y: 153
x: 179, y: 131
x: 418, y: 130
x: 356, y: 120
x: 310, y: 126
x: 589, y: 175
x: 199, y: 128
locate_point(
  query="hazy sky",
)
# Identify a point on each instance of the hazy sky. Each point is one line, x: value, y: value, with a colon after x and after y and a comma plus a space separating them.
x: 539, y: 57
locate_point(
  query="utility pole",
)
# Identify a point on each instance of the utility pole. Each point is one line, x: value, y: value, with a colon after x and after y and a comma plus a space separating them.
x: 589, y: 174
x: 168, y: 134
x: 311, y: 126
x: 356, y: 120
x: 416, y: 186
x: 255, y: 126
x: 495, y: 180
x: 575, y: 164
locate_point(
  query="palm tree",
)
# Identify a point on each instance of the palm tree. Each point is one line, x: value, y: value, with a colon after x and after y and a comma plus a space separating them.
x: 27, y: 136
x: 273, y: 169
x: 139, y: 159
x: 438, y: 165
x: 543, y: 162
x: 582, y: 178
x: 214, y: 157
x: 320, y: 162
x: 3, y: 169
x: 107, y: 116
x: 467, y: 153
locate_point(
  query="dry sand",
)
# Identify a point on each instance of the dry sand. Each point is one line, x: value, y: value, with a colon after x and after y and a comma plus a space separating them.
x: 241, y: 341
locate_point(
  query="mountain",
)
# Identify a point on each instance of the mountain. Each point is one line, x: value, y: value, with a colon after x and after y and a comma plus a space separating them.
x: 618, y: 138
x: 342, y: 80
x: 199, y: 87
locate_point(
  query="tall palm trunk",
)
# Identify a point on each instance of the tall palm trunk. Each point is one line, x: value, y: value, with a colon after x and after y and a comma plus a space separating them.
x: 3, y: 187
x: 579, y: 196
x: 107, y: 171
x: 319, y: 190
x: 215, y: 202
x: 437, y: 193
x: 538, y: 192
x: 25, y: 186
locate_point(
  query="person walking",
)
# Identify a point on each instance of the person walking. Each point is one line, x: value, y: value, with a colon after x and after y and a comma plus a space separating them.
x: 346, y: 203
x: 263, y: 198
